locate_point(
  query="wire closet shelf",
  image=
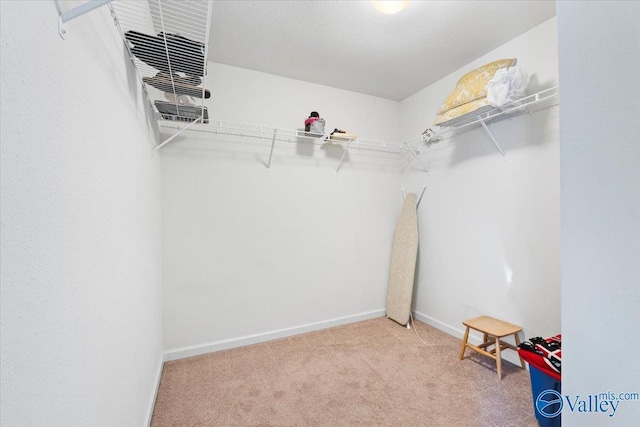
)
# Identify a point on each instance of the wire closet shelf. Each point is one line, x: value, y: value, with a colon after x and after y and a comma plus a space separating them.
x: 168, y: 41
x: 529, y: 104
x: 273, y: 134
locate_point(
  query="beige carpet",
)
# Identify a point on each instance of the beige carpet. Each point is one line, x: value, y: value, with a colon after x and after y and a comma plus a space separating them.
x: 371, y: 373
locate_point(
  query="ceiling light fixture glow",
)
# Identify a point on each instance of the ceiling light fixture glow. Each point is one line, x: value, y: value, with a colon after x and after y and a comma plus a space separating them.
x: 390, y: 7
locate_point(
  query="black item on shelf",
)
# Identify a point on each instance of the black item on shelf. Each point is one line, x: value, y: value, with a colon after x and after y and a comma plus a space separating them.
x: 171, y: 111
x: 178, y: 85
x: 168, y: 52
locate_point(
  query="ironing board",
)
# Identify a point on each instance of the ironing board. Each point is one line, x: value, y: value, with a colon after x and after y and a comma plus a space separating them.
x: 404, y: 252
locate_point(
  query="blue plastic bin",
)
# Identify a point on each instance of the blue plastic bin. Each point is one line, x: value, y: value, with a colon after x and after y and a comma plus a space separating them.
x: 547, y: 398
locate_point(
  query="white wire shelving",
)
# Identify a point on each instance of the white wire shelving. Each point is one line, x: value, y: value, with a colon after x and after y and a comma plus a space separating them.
x: 468, y: 122
x: 412, y: 147
x: 273, y: 135
x: 168, y: 40
x: 168, y: 43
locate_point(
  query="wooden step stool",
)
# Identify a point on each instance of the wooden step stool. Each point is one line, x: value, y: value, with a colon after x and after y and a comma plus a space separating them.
x: 492, y: 330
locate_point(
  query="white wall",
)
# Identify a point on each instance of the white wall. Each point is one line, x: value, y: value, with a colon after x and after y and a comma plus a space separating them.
x: 600, y: 159
x: 80, y: 268
x: 490, y: 227
x: 241, y: 95
x: 250, y: 250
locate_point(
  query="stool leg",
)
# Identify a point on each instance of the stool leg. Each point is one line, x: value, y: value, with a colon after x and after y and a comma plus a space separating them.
x: 464, y: 343
x: 518, y: 345
x: 498, y: 358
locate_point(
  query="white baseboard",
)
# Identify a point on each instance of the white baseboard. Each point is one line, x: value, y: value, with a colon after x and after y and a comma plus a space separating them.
x: 444, y: 327
x: 196, y: 350
x: 459, y: 333
x: 154, y: 394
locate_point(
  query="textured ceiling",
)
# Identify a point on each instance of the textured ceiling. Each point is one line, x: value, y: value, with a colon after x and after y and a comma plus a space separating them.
x: 348, y: 45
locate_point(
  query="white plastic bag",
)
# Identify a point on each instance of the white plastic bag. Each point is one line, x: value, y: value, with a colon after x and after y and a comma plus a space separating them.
x: 179, y: 100
x: 507, y: 85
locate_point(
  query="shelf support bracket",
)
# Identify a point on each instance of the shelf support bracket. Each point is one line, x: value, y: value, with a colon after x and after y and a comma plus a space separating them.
x: 80, y: 10
x: 344, y: 155
x: 415, y: 156
x: 176, y: 134
x: 484, y: 125
x: 273, y: 143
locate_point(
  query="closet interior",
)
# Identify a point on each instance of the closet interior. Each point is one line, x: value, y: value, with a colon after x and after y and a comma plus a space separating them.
x: 167, y: 203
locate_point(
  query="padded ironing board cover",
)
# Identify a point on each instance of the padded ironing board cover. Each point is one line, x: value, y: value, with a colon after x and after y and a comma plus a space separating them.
x: 404, y: 252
